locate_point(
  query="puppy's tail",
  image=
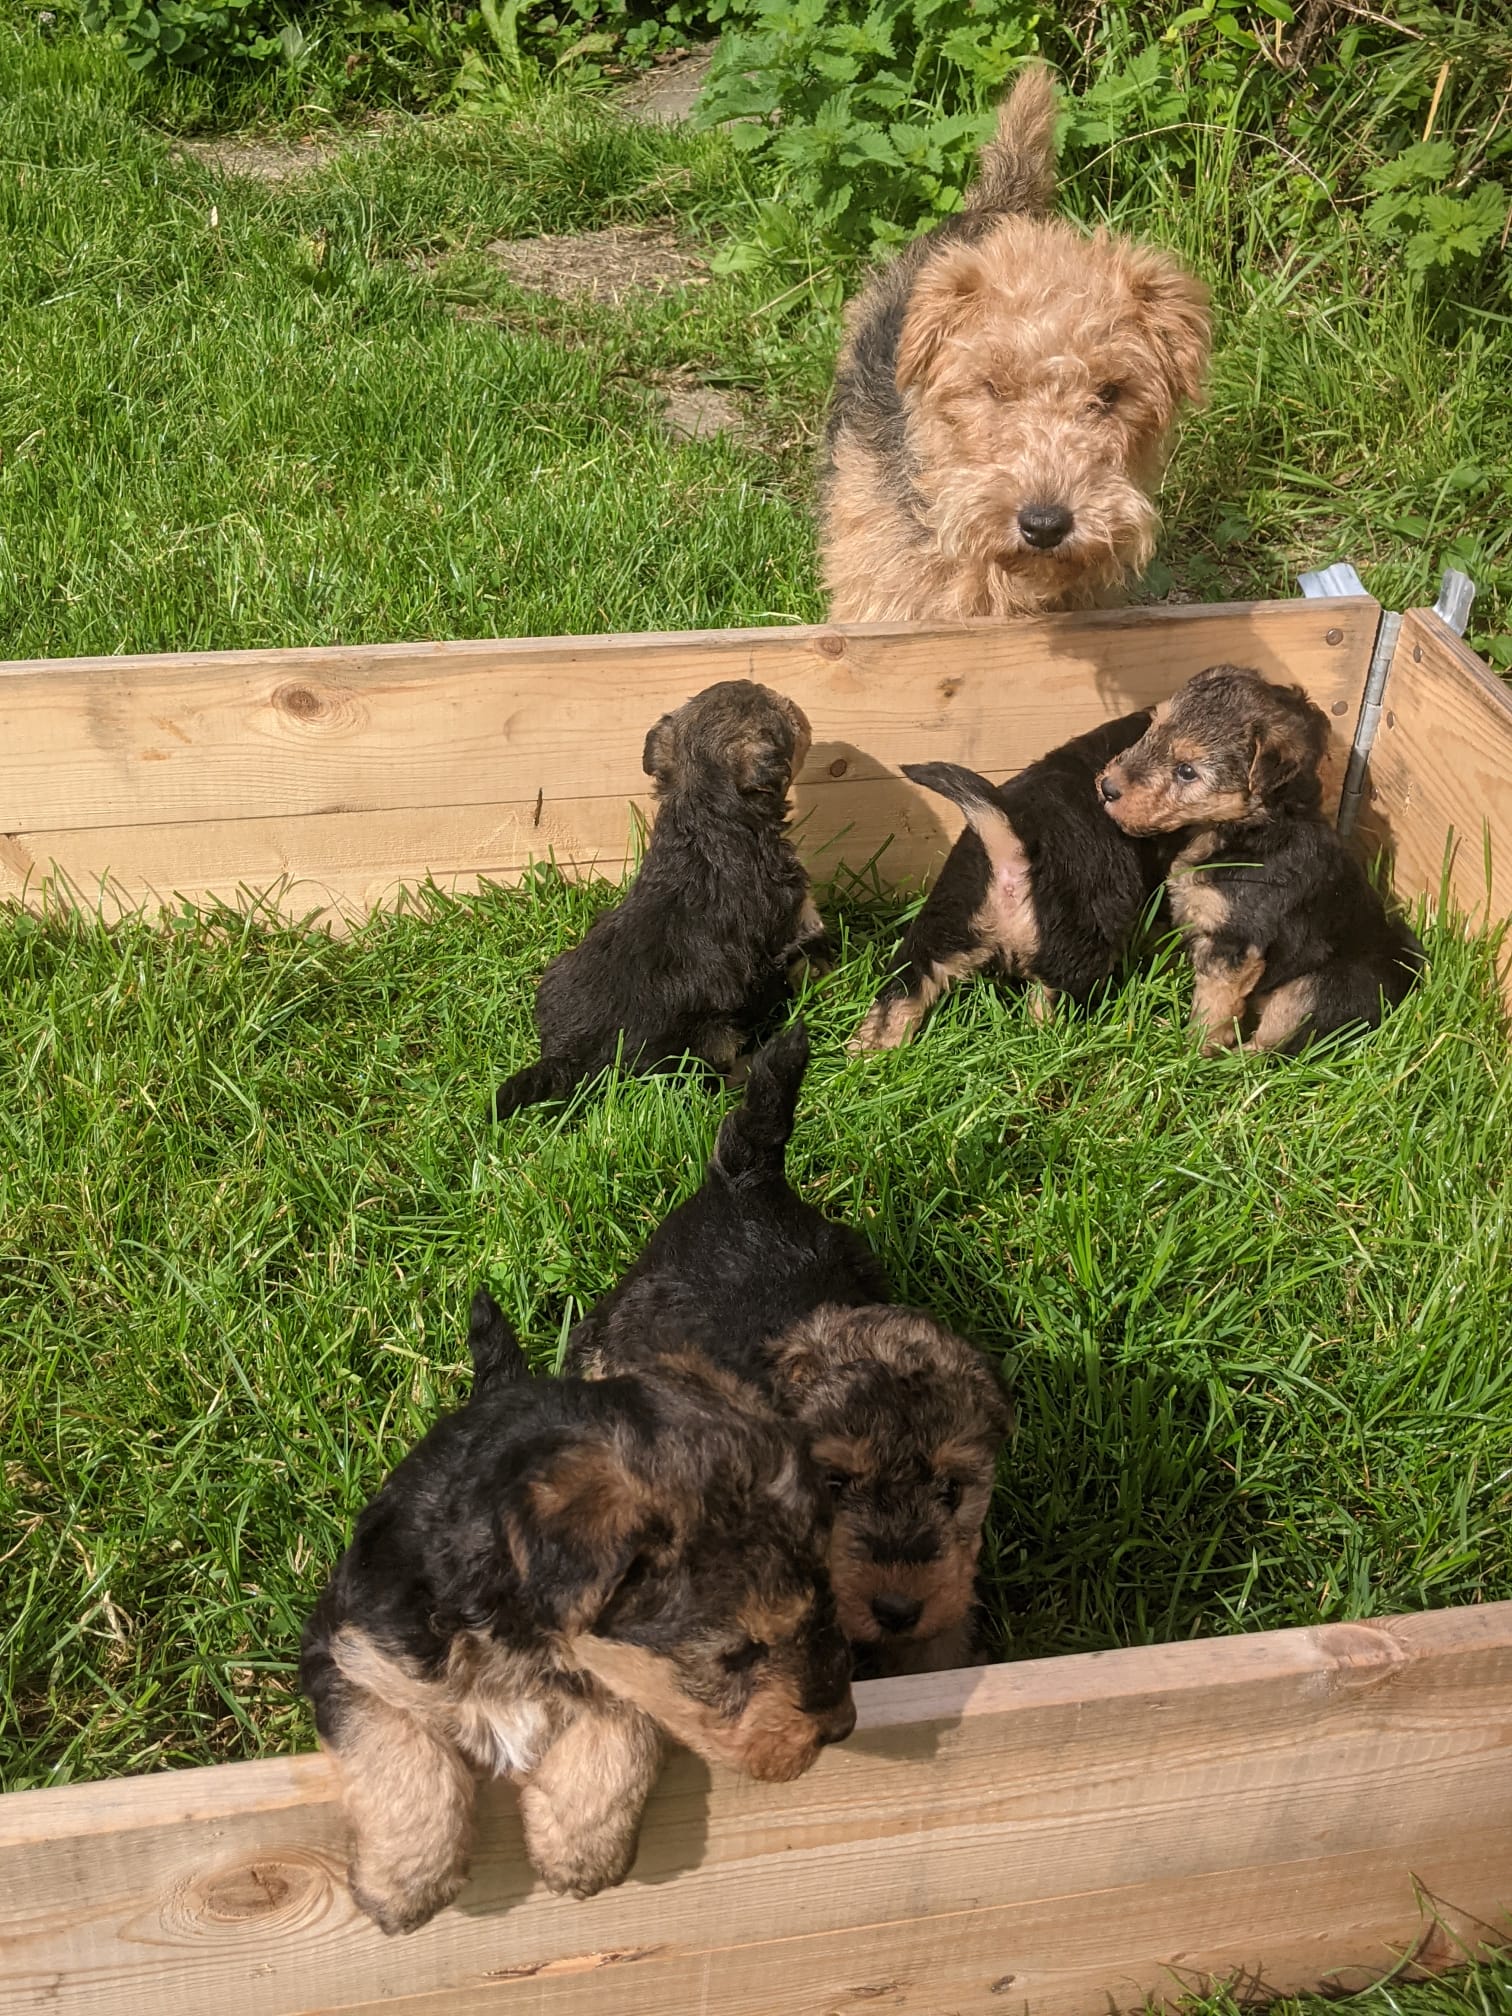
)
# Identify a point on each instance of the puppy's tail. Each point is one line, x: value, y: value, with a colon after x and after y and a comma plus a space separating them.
x: 497, y: 1355
x: 986, y: 818
x: 551, y: 1078
x: 1017, y: 169
x: 752, y: 1144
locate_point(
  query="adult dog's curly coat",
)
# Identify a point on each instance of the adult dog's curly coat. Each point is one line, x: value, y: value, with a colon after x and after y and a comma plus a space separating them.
x: 1004, y: 402
x: 718, y: 920
x: 556, y: 1575
x: 1276, y: 913
x: 905, y: 1417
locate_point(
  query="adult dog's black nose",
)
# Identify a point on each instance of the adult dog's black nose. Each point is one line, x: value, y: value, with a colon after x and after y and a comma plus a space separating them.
x: 896, y: 1613
x: 1109, y: 789
x: 1045, y: 525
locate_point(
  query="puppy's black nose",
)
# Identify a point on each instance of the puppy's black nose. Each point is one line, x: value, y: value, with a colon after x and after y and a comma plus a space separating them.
x: 1045, y: 525
x: 896, y: 1613
x: 1109, y: 789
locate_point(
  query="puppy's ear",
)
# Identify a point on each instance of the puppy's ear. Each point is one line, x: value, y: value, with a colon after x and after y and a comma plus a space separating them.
x: 1177, y: 319
x: 657, y: 756
x: 575, y: 1529
x: 944, y: 301
x: 1287, y: 746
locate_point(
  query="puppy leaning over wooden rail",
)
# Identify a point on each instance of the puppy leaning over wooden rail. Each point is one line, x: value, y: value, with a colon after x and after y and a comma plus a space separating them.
x: 1039, y: 887
x: 1004, y: 402
x: 554, y: 1577
x: 717, y: 924
x: 905, y: 1418
x: 1277, y: 915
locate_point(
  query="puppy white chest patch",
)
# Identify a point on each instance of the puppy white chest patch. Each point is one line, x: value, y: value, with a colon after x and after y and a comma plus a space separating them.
x: 507, y: 1738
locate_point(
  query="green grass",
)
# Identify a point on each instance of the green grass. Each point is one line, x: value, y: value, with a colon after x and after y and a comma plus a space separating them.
x: 1252, y: 1308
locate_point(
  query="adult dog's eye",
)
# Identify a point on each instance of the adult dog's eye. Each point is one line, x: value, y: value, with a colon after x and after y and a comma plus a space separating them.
x: 992, y: 391
x: 1186, y: 773
x: 744, y: 1657
x: 1109, y: 395
x: 951, y: 1492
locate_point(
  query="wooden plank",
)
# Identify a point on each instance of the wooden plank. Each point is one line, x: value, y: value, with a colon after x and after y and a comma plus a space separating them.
x: 1440, y: 777
x: 207, y: 773
x: 1099, y: 1828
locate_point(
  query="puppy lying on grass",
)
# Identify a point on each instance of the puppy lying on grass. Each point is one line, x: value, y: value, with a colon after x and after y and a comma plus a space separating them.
x: 1277, y: 915
x: 1039, y: 887
x: 905, y: 1418
x: 717, y: 923
x: 555, y: 1576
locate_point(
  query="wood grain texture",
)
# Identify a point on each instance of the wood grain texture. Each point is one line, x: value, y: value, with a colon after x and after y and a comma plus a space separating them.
x: 347, y: 774
x: 1440, y: 776
x: 1073, y: 1834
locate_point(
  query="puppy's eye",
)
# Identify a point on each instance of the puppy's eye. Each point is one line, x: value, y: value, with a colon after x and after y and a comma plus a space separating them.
x: 951, y: 1493
x: 1109, y: 395
x: 836, y: 1482
x: 744, y: 1657
x: 1186, y: 773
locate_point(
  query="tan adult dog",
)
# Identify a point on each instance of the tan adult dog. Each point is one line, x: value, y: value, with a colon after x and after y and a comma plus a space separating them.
x: 1005, y: 401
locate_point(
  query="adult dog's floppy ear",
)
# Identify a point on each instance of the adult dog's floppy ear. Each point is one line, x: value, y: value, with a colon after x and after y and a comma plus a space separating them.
x: 574, y: 1528
x: 944, y: 301
x: 1177, y: 319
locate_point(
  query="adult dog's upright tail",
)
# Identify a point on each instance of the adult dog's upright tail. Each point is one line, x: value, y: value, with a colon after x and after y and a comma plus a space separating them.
x: 752, y: 1144
x: 984, y: 815
x: 1017, y: 169
x: 551, y: 1078
x: 497, y: 1355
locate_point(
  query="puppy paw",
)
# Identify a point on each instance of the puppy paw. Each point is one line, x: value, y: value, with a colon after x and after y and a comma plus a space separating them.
x: 887, y: 1026
x: 583, y: 1869
x: 394, y: 1908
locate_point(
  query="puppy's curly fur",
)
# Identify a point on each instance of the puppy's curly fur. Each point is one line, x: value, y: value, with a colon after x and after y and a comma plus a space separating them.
x: 1277, y: 915
x: 1004, y: 402
x: 905, y: 1417
x: 553, y: 1578
x: 1039, y: 887
x: 718, y: 922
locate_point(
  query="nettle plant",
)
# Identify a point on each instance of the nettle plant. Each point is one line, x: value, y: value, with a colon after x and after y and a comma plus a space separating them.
x: 1442, y: 219
x: 872, y: 116
x: 151, y: 33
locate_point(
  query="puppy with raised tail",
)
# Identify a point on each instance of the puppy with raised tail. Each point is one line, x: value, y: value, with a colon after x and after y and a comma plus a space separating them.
x: 904, y: 1418
x: 1040, y: 887
x: 1005, y: 401
x: 1280, y: 921
x: 719, y: 921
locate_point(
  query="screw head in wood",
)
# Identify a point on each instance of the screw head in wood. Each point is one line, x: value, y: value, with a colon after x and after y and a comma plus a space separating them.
x: 1333, y: 637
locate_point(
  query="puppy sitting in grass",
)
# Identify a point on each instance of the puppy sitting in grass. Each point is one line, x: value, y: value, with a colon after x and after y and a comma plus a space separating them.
x: 1004, y: 402
x: 1040, y: 887
x: 1278, y: 917
x: 556, y: 1575
x: 719, y: 921
x: 904, y: 1418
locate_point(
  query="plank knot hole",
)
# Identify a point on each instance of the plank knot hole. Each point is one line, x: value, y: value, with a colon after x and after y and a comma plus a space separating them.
x: 300, y: 702
x: 832, y: 647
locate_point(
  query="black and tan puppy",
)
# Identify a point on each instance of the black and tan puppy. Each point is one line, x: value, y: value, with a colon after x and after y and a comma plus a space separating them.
x: 555, y: 1576
x: 1277, y: 915
x: 905, y: 1418
x: 1039, y: 887
x: 718, y: 920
